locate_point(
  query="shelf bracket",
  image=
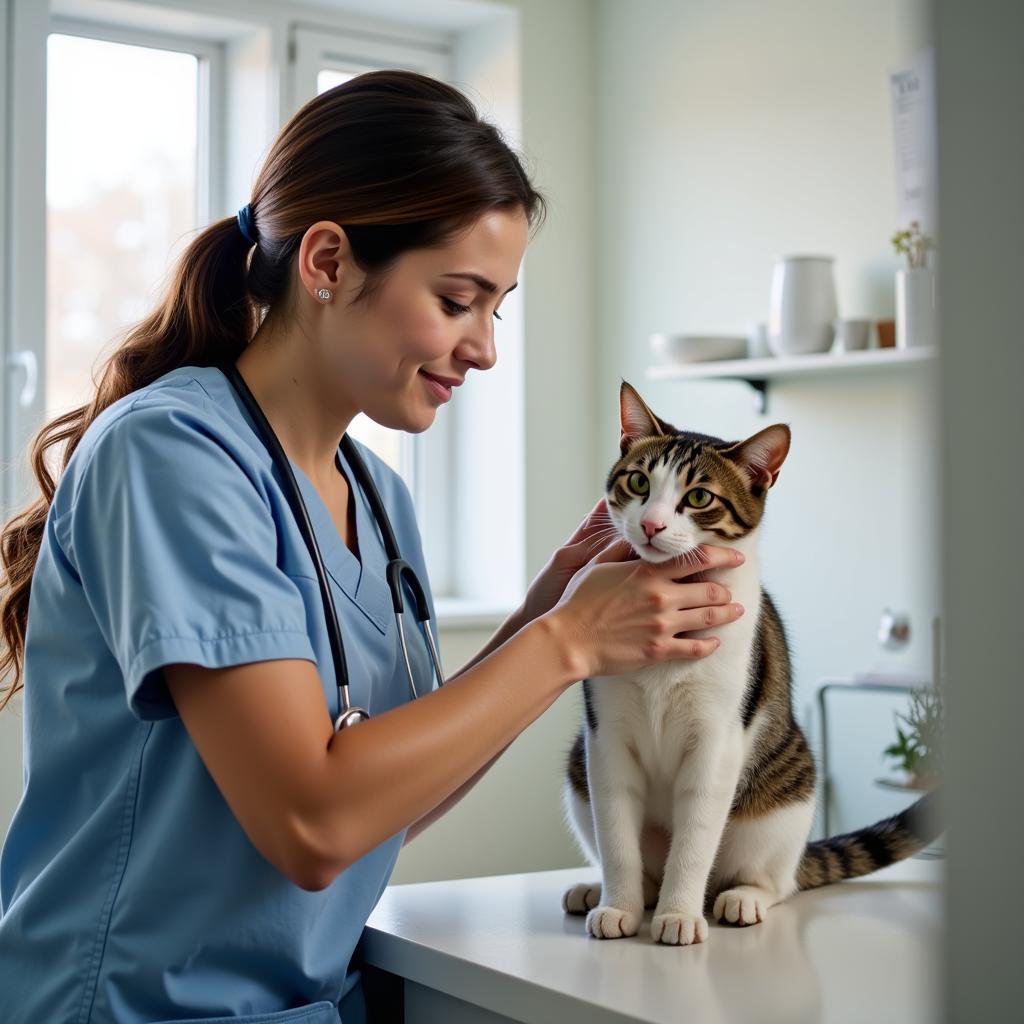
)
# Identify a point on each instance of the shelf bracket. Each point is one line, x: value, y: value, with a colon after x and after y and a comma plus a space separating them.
x: 760, y: 386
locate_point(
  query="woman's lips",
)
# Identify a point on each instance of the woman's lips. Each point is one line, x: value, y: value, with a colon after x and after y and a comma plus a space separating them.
x: 439, y: 390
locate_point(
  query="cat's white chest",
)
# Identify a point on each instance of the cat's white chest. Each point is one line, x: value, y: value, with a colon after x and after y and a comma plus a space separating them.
x: 657, y: 713
x: 659, y: 719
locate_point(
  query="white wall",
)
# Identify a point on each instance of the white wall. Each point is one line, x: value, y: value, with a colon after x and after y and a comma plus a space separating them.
x: 731, y: 133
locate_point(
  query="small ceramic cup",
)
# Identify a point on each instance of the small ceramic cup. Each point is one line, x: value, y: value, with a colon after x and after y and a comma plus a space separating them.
x: 851, y: 334
x: 757, y: 340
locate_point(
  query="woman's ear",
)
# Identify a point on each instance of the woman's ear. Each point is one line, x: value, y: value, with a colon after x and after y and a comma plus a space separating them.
x: 325, y: 259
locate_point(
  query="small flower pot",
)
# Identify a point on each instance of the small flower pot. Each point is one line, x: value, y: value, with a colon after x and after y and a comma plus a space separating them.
x: 886, y: 333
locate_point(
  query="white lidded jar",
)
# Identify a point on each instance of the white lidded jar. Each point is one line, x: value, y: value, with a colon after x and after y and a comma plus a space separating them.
x: 803, y: 305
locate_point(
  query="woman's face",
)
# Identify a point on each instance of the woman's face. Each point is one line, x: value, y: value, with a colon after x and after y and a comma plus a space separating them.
x: 425, y: 319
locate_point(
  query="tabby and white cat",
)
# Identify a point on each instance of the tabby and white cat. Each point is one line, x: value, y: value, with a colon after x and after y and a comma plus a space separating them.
x: 704, y: 756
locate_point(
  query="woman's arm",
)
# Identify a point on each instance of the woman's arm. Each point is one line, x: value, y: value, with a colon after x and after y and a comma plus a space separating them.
x: 314, y: 802
x: 507, y: 629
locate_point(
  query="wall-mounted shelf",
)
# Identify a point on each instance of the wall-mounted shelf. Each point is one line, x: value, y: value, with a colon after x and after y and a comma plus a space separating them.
x: 757, y: 372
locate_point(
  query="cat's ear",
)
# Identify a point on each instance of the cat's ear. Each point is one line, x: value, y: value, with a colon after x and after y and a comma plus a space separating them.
x: 636, y: 420
x: 762, y: 455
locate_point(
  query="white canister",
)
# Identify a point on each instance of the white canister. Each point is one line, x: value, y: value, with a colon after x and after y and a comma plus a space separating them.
x: 803, y: 305
x: 915, y: 307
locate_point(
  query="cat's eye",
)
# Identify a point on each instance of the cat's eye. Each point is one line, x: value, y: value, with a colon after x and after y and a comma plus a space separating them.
x: 699, y: 498
x: 638, y: 483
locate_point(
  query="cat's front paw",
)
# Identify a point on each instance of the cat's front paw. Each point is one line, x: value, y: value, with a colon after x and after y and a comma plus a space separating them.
x: 613, y: 922
x: 674, y: 929
x: 743, y: 905
x: 578, y: 899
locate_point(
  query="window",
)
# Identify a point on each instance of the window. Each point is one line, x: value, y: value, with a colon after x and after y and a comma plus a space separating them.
x: 124, y: 192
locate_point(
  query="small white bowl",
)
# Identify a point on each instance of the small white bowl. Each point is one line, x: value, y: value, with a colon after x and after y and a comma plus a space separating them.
x: 698, y: 348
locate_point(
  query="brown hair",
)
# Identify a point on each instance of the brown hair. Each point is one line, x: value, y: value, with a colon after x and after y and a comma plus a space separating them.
x: 400, y: 160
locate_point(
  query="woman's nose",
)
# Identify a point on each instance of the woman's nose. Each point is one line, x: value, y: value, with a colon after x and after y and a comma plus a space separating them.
x: 478, y: 348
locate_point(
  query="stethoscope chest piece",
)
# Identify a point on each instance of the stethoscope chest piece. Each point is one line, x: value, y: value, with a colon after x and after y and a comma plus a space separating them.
x: 350, y: 716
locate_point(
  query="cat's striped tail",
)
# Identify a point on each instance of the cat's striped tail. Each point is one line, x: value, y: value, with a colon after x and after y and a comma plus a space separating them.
x: 877, y: 846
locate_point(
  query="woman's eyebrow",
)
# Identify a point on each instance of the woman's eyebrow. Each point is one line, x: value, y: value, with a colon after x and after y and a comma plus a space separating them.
x: 488, y: 286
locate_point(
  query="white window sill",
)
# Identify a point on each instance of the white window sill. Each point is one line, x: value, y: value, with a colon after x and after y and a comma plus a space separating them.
x: 468, y: 614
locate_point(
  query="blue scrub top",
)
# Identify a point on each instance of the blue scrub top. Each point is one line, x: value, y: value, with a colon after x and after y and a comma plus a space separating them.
x: 128, y: 889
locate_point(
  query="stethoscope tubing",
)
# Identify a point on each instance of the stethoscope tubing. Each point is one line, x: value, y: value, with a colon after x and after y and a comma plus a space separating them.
x: 397, y: 567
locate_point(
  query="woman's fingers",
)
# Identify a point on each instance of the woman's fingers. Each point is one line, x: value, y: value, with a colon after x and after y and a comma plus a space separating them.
x: 696, y: 647
x: 707, y: 556
x: 705, y: 604
x: 704, y: 618
x: 698, y: 595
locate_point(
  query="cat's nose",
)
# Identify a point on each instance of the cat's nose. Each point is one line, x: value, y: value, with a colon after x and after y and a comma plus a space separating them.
x: 651, y: 527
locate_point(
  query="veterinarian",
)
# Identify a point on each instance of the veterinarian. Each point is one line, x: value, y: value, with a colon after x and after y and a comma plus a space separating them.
x: 223, y: 754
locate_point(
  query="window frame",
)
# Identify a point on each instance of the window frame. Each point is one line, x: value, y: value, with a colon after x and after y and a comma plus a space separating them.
x: 313, y: 48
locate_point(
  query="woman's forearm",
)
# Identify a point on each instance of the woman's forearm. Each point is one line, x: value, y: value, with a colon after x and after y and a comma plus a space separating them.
x: 505, y: 631
x: 384, y: 774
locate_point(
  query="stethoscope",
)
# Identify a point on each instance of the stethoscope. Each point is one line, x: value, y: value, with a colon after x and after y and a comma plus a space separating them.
x: 396, y: 568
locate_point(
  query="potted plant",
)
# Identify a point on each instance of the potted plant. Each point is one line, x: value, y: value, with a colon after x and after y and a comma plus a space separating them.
x: 915, y: 289
x: 918, y: 749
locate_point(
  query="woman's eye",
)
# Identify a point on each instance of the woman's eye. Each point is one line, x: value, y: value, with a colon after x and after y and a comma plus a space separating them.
x: 638, y: 482
x: 456, y: 307
x: 699, y: 498
x: 453, y: 306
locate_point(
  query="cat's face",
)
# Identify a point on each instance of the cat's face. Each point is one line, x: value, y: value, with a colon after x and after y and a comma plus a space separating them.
x: 673, y: 490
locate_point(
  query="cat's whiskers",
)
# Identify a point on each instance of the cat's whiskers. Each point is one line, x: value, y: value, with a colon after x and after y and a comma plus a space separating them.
x: 605, y: 536
x: 691, y: 558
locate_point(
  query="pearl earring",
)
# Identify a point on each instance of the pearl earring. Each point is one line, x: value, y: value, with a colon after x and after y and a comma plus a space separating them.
x: 324, y: 293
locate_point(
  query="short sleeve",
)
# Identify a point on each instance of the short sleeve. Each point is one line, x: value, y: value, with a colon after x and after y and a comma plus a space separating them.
x: 176, y: 548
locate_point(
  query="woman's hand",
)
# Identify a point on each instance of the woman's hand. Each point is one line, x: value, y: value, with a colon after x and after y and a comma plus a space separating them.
x: 594, y: 534
x: 616, y: 616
